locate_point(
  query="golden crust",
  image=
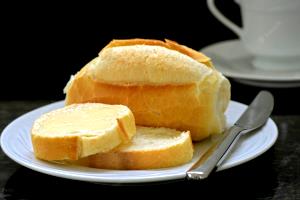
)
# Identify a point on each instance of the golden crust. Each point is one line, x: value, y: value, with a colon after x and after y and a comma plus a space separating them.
x: 57, y: 148
x: 198, y: 56
x: 149, y: 62
x: 201, y: 58
x: 146, y: 64
x: 136, y: 41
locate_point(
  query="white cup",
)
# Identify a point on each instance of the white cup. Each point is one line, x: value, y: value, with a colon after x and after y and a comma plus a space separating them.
x: 271, y: 31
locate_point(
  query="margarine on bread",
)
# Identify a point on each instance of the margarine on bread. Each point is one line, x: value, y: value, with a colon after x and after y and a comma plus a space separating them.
x: 150, y: 148
x: 80, y: 130
x: 164, y: 84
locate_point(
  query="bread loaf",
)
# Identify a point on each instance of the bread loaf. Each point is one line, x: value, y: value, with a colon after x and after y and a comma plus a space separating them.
x: 164, y: 84
x: 80, y: 130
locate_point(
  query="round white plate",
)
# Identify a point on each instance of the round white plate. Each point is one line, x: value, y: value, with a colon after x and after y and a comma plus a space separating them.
x: 231, y: 58
x: 16, y: 143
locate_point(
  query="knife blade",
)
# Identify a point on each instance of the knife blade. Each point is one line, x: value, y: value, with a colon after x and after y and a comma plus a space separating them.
x: 254, y: 117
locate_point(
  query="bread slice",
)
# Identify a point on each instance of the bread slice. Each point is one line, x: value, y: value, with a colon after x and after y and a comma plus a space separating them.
x: 150, y: 148
x: 80, y: 130
x: 164, y: 84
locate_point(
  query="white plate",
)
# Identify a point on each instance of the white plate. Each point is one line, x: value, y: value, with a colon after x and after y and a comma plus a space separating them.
x: 269, y: 84
x: 231, y: 58
x: 16, y: 143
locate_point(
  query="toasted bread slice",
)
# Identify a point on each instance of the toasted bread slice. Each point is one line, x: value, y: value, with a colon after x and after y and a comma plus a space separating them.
x: 150, y: 148
x: 81, y: 130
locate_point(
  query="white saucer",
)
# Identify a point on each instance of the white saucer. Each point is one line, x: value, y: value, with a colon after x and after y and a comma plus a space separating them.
x: 16, y: 143
x: 231, y: 58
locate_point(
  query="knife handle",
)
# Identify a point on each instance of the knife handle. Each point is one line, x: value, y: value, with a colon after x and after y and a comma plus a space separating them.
x: 223, y: 148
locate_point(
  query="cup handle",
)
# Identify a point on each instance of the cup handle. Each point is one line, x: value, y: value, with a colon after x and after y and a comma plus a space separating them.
x: 213, y: 9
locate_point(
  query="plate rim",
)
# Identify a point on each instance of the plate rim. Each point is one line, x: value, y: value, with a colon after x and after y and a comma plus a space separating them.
x: 235, y: 75
x: 167, y: 177
x: 267, y: 146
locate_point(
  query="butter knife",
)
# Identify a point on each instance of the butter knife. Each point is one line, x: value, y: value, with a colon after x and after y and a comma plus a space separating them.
x: 253, y: 118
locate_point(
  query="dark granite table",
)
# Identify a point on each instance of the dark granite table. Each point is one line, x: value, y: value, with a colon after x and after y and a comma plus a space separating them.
x: 273, y: 175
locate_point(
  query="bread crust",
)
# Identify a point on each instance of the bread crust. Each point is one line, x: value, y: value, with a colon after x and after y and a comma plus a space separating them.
x: 146, y: 65
x: 56, y: 148
x: 200, y: 57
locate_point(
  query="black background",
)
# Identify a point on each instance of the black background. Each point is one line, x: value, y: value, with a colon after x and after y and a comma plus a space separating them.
x: 43, y: 44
